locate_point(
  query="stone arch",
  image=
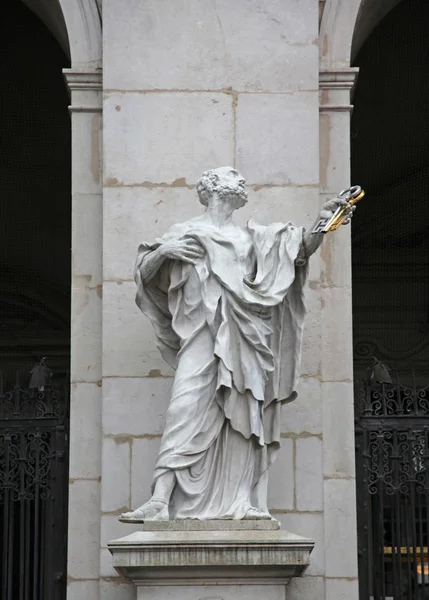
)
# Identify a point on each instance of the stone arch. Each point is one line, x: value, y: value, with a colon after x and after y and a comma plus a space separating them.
x: 345, y: 26
x: 76, y: 24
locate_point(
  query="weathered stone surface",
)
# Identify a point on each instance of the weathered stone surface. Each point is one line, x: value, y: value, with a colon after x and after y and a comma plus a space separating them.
x: 135, y: 406
x: 269, y: 123
x: 212, y: 592
x: 84, y: 533
x: 306, y: 588
x: 304, y: 415
x: 85, y: 331
x: 141, y: 128
x: 334, y: 151
x: 253, y: 46
x: 106, y: 567
x: 337, y: 332
x: 85, y: 434
x: 338, y: 430
x: 340, y: 528
x: 76, y: 590
x: 129, y: 343
x: 111, y: 529
x: 115, y: 474
x: 311, y: 526
x: 342, y: 589
x: 87, y: 233
x: 281, y: 483
x: 86, y: 157
x: 116, y: 589
x: 135, y: 214
x: 312, y: 342
x: 309, y: 473
x: 143, y: 460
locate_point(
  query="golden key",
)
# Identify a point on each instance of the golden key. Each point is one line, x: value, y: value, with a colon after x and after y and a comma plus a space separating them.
x: 352, y: 195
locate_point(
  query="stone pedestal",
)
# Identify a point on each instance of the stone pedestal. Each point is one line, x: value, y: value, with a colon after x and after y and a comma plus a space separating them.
x: 211, y: 560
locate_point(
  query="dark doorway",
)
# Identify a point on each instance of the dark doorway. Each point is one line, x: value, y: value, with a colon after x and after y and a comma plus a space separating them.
x: 35, y: 240
x: 390, y: 233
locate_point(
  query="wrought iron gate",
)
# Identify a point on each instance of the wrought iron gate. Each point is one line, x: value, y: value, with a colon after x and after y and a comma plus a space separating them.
x: 392, y: 445
x: 33, y: 493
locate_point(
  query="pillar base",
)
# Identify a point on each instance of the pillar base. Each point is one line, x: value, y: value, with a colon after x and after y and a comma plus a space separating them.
x: 196, y: 562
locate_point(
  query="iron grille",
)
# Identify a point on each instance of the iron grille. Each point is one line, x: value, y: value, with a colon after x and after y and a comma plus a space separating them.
x: 392, y: 445
x: 33, y: 493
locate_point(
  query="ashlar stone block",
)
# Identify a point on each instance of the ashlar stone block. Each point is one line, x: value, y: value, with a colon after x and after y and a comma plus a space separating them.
x: 342, y: 589
x: 135, y: 406
x: 146, y: 143
x: 140, y: 214
x: 115, y: 474
x: 86, y: 127
x: 304, y: 415
x: 252, y: 45
x: 85, y: 431
x: 116, y: 589
x: 144, y: 455
x: 340, y: 528
x: 337, y: 340
x: 312, y: 340
x: 84, y: 533
x: 76, y: 590
x: 281, y: 478
x: 282, y: 131
x: 338, y: 430
x: 311, y: 526
x: 87, y: 230
x: 129, y: 343
x: 85, y: 330
x: 306, y: 588
x: 309, y: 473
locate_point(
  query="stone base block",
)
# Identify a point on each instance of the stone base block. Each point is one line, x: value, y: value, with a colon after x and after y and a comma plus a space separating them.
x: 227, y: 564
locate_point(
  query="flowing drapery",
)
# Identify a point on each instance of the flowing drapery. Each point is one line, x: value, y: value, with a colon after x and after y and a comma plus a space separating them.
x: 232, y: 327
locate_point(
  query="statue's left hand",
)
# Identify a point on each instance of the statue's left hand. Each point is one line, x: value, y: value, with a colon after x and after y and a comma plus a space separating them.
x: 331, y: 206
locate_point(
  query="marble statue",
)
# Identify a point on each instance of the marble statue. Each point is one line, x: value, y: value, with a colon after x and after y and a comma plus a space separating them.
x: 227, y: 307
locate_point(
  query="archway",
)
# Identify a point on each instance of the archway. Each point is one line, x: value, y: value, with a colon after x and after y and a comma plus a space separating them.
x: 35, y: 274
x: 390, y: 253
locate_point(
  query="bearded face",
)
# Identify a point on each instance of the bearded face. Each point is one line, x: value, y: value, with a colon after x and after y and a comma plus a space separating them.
x: 226, y: 182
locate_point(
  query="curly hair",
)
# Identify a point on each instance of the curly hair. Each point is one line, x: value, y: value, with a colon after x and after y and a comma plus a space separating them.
x: 207, y: 185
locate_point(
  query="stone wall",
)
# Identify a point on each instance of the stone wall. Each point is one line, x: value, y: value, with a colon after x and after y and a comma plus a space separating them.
x: 189, y: 85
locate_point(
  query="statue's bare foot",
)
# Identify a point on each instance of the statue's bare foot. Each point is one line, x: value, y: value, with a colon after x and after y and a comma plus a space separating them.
x: 256, y: 514
x: 154, y: 510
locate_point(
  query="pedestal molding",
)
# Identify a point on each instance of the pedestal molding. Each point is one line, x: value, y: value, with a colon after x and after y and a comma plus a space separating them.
x: 208, y: 557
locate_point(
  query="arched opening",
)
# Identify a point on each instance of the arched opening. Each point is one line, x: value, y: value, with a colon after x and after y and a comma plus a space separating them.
x: 390, y: 241
x: 35, y: 240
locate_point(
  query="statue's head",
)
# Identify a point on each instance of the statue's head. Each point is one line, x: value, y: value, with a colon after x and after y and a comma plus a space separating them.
x: 225, y: 183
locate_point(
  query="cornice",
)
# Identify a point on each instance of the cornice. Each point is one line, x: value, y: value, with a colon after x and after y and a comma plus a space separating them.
x: 337, y: 80
x: 85, y: 88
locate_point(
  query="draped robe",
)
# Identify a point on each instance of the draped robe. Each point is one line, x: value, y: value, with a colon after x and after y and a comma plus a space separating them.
x: 232, y: 328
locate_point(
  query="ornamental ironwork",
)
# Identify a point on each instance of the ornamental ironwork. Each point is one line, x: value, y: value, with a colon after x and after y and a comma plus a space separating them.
x: 392, y: 472
x: 33, y: 493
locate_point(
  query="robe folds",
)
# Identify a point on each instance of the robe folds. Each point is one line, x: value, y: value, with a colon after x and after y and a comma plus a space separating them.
x: 232, y: 328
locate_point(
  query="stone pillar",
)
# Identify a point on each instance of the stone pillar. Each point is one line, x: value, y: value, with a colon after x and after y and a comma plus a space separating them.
x: 85, y: 402
x: 337, y: 345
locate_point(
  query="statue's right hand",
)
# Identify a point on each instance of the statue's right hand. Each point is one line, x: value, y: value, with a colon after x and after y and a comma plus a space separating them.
x: 185, y: 249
